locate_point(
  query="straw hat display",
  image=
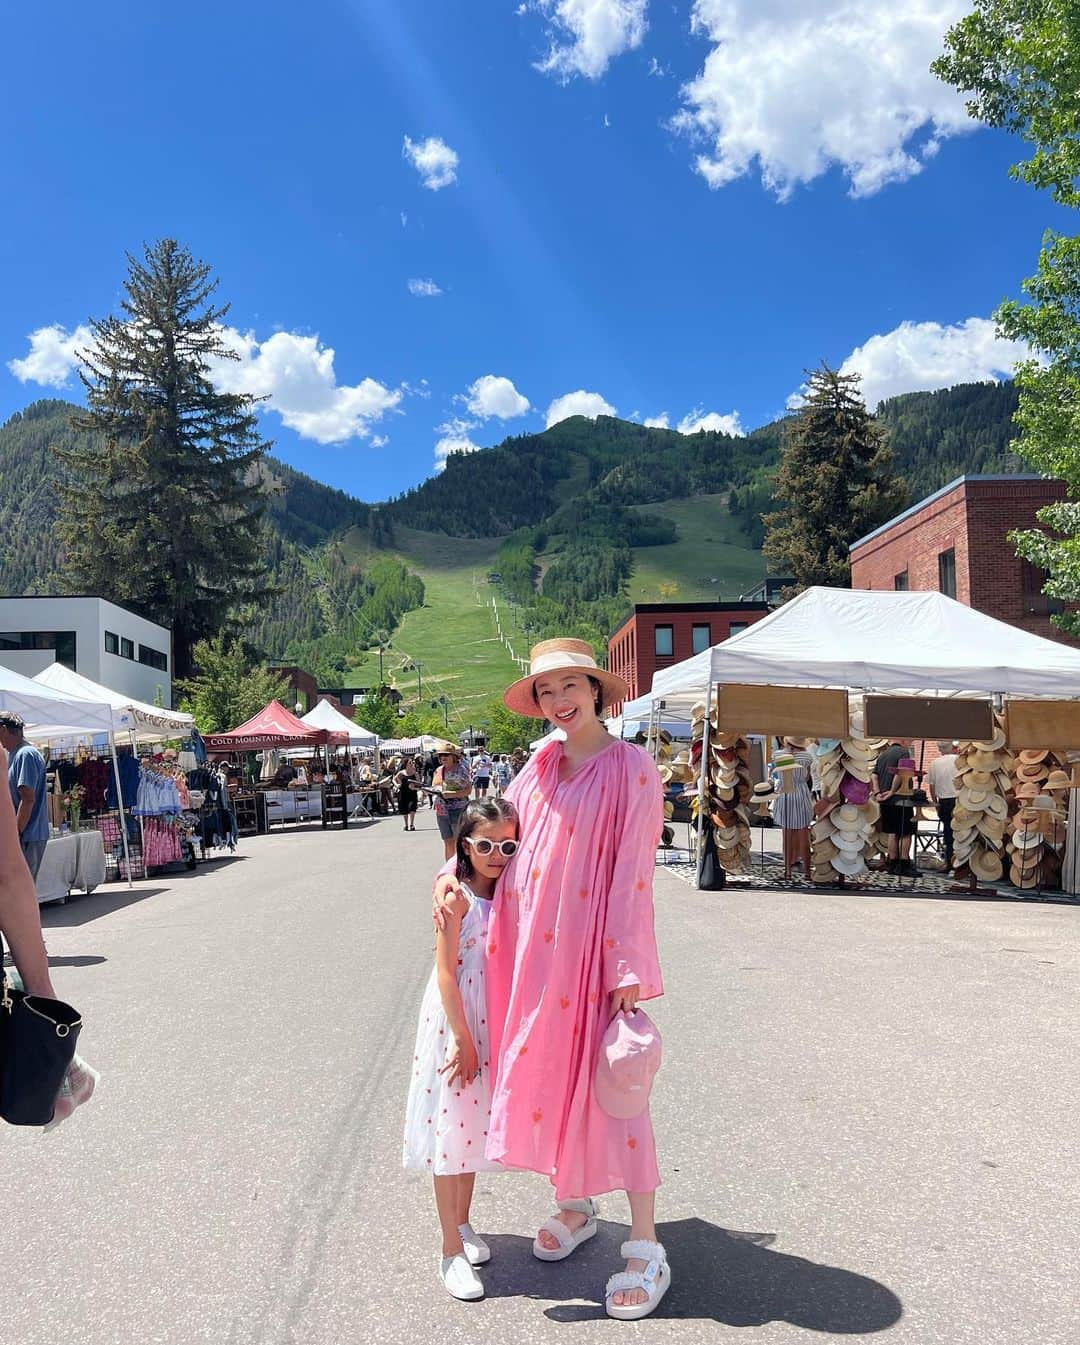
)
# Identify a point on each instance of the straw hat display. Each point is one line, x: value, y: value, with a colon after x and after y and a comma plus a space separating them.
x: 728, y: 795
x: 844, y: 837
x: 1036, y: 828
x: 730, y: 781
x: 981, y: 813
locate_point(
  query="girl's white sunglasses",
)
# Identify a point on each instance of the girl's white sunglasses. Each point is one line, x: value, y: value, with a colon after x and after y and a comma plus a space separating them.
x: 483, y: 846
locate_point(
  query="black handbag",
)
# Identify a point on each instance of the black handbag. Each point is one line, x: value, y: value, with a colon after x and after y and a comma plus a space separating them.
x: 37, y: 1041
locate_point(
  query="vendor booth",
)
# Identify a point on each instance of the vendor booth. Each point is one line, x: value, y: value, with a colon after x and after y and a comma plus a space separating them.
x: 276, y: 728
x: 53, y: 717
x: 855, y: 667
x: 164, y: 806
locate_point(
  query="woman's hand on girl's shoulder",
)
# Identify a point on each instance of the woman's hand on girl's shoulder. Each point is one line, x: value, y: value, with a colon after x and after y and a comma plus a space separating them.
x: 447, y: 890
x: 452, y: 908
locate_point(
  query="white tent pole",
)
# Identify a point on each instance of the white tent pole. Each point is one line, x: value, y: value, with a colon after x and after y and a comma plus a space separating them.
x: 120, y: 806
x: 703, y: 777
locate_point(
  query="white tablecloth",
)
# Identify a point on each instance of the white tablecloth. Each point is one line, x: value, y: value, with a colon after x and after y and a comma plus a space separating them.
x: 74, y: 860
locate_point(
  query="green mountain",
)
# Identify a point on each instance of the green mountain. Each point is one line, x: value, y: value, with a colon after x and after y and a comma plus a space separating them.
x: 559, y: 530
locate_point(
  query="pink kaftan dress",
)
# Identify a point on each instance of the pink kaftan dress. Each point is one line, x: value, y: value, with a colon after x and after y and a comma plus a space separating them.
x: 572, y: 921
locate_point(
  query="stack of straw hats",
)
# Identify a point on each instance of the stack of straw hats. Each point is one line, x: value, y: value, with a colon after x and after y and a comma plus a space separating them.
x: 677, y: 769
x: 841, y: 840
x: 983, y: 774
x: 730, y: 792
x: 658, y: 745
x: 844, y: 835
x: 1037, y: 826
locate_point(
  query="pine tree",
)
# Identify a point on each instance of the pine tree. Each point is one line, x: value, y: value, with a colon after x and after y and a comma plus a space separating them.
x: 167, y: 517
x: 835, y: 483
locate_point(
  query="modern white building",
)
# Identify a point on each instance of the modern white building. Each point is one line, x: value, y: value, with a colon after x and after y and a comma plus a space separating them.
x: 96, y: 638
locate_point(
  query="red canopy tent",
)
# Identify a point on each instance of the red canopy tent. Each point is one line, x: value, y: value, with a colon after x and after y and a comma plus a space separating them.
x: 273, y: 727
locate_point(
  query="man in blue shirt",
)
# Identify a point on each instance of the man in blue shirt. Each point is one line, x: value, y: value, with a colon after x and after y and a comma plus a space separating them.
x: 26, y: 779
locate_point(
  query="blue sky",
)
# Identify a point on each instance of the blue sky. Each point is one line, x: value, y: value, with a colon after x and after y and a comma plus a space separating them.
x: 671, y: 208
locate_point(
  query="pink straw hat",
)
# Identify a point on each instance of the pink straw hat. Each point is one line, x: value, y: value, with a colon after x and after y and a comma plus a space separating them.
x: 629, y: 1056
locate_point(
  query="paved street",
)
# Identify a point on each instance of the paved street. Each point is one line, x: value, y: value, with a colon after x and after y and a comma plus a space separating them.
x: 866, y: 1121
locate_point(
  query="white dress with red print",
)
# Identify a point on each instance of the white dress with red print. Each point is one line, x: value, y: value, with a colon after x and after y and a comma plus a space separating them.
x: 446, y: 1127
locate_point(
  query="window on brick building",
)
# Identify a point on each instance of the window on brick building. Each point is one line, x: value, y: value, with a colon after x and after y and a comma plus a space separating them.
x: 664, y: 638
x: 1036, y: 602
x: 702, y: 638
x: 737, y: 626
x: 900, y: 582
x: 946, y: 569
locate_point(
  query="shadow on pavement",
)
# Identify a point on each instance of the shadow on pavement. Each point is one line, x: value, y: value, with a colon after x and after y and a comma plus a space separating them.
x: 87, y: 961
x: 717, y: 1274
x: 81, y: 910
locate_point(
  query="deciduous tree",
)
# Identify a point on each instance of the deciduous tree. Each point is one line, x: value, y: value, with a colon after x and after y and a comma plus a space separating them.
x: 228, y: 689
x: 1019, y: 60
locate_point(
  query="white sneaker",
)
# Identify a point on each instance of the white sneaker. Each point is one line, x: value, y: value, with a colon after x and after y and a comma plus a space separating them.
x: 460, y: 1278
x: 476, y: 1249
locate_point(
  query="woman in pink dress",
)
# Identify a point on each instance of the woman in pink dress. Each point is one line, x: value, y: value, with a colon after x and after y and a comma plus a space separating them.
x: 571, y: 944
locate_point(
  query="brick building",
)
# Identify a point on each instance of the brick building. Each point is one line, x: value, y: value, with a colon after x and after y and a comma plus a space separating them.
x: 956, y: 541
x: 657, y: 634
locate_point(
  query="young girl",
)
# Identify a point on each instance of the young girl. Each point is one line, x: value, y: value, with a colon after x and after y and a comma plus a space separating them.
x: 449, y: 1107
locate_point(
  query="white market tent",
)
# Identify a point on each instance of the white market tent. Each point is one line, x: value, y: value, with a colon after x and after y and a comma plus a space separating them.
x: 866, y: 640
x: 325, y: 716
x: 50, y: 714
x: 143, y: 722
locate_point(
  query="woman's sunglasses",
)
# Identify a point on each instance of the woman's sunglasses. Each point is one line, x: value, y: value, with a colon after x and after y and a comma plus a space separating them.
x: 483, y: 846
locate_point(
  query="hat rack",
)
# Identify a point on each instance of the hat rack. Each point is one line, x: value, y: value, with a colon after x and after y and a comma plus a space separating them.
x: 725, y: 803
x: 845, y: 833
x: 1036, y: 828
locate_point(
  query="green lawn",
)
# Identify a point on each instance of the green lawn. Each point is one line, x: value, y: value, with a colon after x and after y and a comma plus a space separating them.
x: 710, y: 560
x: 453, y: 635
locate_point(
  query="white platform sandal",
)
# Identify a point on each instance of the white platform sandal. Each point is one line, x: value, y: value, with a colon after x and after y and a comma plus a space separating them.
x: 476, y: 1249
x: 568, y: 1242
x: 655, y: 1280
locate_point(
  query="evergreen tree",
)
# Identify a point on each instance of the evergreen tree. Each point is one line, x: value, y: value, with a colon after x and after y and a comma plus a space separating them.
x: 228, y: 690
x: 164, y: 515
x: 835, y: 483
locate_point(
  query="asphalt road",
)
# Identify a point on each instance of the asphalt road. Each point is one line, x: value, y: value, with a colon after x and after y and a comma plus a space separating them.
x: 866, y: 1120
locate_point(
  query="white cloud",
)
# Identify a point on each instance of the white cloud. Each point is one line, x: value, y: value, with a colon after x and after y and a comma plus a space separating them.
x: 294, y: 373
x: 580, y: 403
x: 296, y: 376
x: 699, y: 419
x: 795, y: 87
x: 379, y: 440
x: 491, y: 395
x: 53, y: 355
x: 922, y: 356
x: 660, y: 422
x: 433, y: 159
x: 424, y: 289
x: 453, y: 443
x: 587, y: 35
